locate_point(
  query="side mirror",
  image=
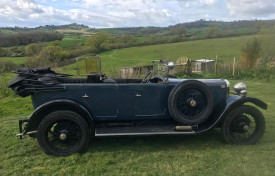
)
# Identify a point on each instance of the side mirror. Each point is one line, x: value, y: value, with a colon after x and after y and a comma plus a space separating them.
x: 170, y: 65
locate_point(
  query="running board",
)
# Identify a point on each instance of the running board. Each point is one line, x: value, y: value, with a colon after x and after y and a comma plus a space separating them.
x: 140, y: 131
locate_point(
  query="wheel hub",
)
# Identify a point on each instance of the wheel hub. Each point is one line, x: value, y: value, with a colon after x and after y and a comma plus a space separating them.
x: 63, y: 136
x: 245, y: 128
x: 193, y: 103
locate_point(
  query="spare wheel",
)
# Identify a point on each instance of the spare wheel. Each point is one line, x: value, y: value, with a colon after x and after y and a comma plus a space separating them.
x: 190, y: 102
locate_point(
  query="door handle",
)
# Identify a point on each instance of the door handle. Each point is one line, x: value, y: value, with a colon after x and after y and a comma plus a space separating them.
x: 85, y: 96
x: 137, y: 95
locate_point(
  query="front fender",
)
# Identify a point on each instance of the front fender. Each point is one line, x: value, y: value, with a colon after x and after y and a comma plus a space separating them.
x: 233, y: 102
x: 55, y: 105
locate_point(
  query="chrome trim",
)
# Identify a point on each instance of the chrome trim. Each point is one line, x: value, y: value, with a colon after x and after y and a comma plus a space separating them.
x: 240, y: 89
x: 227, y: 83
x: 28, y: 133
x: 170, y: 65
x: 143, y: 134
x: 85, y: 96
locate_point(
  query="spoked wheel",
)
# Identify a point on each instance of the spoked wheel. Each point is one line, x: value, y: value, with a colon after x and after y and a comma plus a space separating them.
x: 245, y: 125
x: 63, y: 133
x: 190, y: 102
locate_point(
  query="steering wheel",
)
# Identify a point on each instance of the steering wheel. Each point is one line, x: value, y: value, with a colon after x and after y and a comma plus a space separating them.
x: 147, y: 77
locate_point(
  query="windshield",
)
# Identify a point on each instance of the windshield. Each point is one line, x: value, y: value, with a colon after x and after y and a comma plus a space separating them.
x: 160, y: 68
x: 88, y: 65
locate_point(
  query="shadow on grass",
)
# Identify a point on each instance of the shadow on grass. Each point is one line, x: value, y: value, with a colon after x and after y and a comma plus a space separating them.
x: 212, y: 139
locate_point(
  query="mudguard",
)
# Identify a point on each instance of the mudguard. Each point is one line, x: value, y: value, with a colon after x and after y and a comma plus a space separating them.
x: 55, y: 105
x: 233, y: 102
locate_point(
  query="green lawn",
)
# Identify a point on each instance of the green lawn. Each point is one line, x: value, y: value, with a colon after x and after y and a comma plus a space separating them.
x: 205, y: 154
x: 16, y: 60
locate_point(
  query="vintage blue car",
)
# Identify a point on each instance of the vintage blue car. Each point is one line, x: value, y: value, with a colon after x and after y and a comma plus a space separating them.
x: 69, y: 111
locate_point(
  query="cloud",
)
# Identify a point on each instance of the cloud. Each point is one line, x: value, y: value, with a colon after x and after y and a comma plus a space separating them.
x: 98, y: 13
x: 209, y: 2
x: 251, y: 8
x: 127, y: 13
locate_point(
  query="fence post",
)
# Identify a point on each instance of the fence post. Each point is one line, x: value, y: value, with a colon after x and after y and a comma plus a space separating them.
x: 234, y: 62
x: 216, y: 65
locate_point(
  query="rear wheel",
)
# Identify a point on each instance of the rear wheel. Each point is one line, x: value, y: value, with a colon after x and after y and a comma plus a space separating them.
x: 62, y: 133
x: 244, y: 125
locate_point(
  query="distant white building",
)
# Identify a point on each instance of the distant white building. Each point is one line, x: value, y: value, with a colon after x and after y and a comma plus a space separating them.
x: 203, y: 65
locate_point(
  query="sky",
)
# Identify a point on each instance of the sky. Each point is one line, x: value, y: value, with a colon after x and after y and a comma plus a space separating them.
x: 129, y: 13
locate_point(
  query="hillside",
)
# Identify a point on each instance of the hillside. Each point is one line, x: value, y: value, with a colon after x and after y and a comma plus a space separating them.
x: 16, y: 29
x: 243, y: 27
x: 113, y: 60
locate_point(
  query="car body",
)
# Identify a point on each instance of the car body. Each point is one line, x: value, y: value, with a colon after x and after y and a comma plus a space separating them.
x: 66, y: 108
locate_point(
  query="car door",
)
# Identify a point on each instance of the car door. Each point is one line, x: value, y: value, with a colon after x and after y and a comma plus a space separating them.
x: 139, y: 101
x: 103, y: 99
x: 149, y: 100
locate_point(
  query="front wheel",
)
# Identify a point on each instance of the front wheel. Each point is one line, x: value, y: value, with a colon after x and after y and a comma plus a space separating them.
x: 62, y: 133
x: 243, y: 126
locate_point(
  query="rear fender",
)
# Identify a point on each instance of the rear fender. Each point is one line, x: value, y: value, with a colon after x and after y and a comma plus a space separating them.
x: 55, y: 105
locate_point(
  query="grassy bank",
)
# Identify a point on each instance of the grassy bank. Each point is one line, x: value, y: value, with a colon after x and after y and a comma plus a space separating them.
x: 225, y: 48
x: 16, y: 60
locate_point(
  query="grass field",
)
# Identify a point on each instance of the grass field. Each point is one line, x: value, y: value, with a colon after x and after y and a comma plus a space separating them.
x: 16, y: 60
x: 72, y: 40
x: 205, y: 154
x: 225, y: 48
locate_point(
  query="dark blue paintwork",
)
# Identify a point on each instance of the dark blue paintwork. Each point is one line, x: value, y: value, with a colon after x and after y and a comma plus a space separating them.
x: 118, y: 102
x: 126, y: 101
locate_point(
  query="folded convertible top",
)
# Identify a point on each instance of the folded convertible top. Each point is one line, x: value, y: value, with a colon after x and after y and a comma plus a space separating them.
x: 30, y: 81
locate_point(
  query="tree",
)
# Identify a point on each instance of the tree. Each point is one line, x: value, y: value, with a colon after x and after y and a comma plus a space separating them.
x: 258, y: 25
x: 175, y: 38
x: 49, y: 56
x: 211, y: 31
x: 128, y: 39
x: 7, y: 66
x: 96, y: 41
x: 180, y: 30
x: 250, y: 54
x: 24, y: 38
x: 56, y: 43
x: 32, y: 49
x: 3, y: 52
x: 266, y: 38
x: 151, y: 39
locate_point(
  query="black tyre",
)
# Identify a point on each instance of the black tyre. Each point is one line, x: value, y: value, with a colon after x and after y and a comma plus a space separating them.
x: 190, y: 102
x: 244, y: 125
x: 62, y: 133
